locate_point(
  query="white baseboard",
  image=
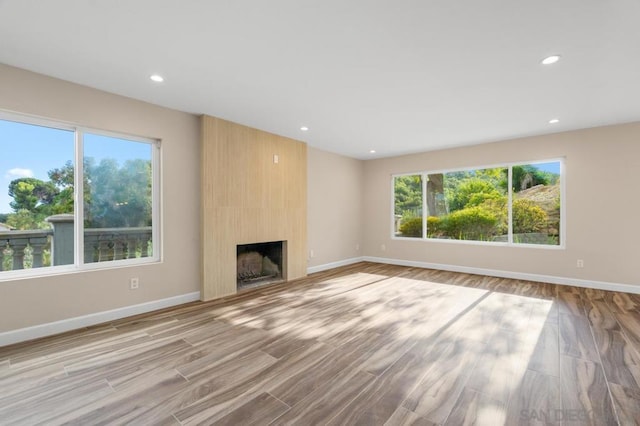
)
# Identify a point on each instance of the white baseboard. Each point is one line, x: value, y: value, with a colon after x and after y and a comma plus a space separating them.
x: 332, y: 265
x: 600, y: 285
x: 49, y: 329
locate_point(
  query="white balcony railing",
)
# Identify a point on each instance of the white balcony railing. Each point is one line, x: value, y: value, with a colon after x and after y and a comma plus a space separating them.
x: 104, y: 244
x: 50, y: 247
x: 25, y: 249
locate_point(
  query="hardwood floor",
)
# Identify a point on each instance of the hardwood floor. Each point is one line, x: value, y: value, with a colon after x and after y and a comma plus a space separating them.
x: 365, y: 344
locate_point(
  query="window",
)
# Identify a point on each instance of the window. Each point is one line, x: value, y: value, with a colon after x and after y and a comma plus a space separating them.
x: 514, y: 204
x: 408, y: 206
x: 537, y: 203
x: 117, y: 198
x: 46, y: 167
x: 467, y: 205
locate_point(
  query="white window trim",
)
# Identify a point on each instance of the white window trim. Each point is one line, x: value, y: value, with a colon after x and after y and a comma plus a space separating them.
x: 509, y: 243
x: 79, y: 265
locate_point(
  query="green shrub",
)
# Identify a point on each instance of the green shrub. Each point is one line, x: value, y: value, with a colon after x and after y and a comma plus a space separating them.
x: 498, y: 208
x: 472, y: 223
x: 435, y: 227
x: 483, y: 198
x: 528, y: 217
x: 411, y: 227
x: 472, y: 192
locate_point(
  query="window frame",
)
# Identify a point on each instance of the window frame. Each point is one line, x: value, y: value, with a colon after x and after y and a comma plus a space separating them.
x: 79, y: 265
x: 509, y: 243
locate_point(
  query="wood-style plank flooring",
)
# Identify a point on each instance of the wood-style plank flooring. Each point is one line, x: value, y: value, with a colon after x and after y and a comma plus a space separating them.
x: 366, y: 344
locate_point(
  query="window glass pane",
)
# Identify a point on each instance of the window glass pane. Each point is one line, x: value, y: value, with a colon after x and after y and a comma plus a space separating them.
x: 536, y: 203
x: 468, y: 205
x: 117, y: 198
x: 36, y: 198
x: 408, y: 206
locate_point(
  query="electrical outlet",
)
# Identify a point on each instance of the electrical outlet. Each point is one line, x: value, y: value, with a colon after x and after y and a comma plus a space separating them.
x: 357, y: 247
x: 383, y: 247
x: 580, y: 263
x: 134, y: 283
x: 311, y: 254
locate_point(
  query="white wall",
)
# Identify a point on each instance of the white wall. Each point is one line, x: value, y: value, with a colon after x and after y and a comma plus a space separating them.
x: 34, y: 301
x: 335, y: 216
x: 602, y: 206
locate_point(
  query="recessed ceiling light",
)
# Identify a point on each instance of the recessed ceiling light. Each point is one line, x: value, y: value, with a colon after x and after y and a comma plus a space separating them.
x: 304, y: 128
x: 157, y: 78
x: 373, y: 151
x: 554, y: 121
x: 550, y: 60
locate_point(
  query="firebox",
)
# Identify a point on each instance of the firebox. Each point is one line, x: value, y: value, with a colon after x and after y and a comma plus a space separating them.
x: 260, y: 264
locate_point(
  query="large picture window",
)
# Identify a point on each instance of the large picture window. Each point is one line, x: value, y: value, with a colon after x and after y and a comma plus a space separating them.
x: 46, y: 169
x: 514, y: 204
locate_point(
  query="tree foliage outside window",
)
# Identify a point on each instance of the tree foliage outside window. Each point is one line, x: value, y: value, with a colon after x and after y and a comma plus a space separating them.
x: 473, y: 205
x: 118, y: 195
x: 115, y: 195
x: 408, y: 205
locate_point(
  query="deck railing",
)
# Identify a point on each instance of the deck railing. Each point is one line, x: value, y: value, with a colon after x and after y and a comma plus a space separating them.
x: 104, y: 244
x: 25, y: 249
x: 50, y: 247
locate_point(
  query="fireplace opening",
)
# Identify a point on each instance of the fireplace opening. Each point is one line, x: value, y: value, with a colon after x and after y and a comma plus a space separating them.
x: 259, y: 264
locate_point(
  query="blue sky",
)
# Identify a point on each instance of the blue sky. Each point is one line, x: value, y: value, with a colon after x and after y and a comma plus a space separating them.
x: 31, y: 151
x: 548, y: 167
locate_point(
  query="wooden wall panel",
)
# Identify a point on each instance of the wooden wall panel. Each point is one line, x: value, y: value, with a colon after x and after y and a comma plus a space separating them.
x: 246, y: 198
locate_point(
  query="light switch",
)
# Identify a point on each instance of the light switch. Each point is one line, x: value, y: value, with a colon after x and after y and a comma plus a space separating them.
x: 275, y: 158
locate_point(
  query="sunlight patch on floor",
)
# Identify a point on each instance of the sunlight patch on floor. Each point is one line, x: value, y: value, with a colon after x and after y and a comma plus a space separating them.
x: 491, y: 414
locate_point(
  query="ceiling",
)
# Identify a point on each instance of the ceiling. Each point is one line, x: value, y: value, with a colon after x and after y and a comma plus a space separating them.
x: 395, y: 76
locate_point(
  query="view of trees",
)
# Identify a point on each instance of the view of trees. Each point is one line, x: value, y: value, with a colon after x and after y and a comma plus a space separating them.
x: 408, y: 195
x: 473, y: 205
x: 114, y: 195
x: 117, y: 196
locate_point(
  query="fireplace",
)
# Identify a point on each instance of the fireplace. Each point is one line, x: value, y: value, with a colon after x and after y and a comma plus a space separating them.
x: 260, y: 263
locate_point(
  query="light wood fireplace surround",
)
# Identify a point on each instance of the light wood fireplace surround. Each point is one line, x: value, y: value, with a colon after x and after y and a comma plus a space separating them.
x: 254, y: 189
